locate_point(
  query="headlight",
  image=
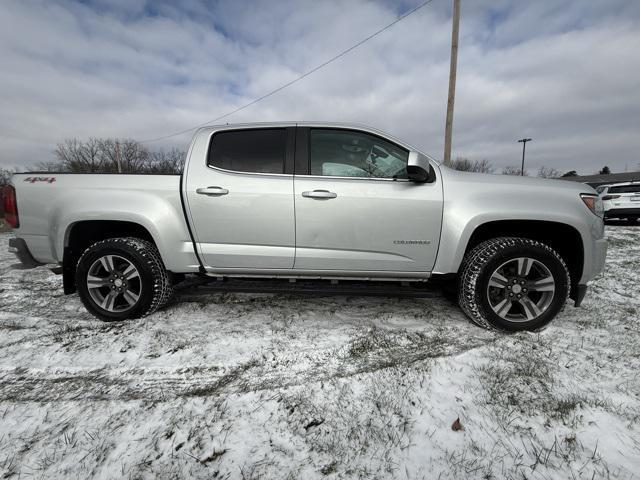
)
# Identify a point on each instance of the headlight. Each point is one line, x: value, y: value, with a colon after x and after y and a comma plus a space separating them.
x: 593, y: 203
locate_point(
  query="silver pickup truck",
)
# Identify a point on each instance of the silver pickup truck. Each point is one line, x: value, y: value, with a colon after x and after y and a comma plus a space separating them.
x: 313, y: 201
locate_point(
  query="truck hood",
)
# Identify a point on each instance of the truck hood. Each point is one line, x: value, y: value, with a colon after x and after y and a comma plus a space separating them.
x: 512, y: 182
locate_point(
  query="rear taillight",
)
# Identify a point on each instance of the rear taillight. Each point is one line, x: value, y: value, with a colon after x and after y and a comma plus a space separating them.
x: 593, y: 203
x: 610, y: 197
x: 10, y: 206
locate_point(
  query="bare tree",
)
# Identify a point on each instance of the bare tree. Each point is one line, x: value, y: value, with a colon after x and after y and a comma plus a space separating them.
x: 112, y: 155
x: 76, y: 156
x: 483, y: 166
x: 129, y: 154
x: 511, y: 170
x: 5, y: 176
x: 466, y: 165
x: 548, y: 172
x: 166, y: 161
x: 49, y: 166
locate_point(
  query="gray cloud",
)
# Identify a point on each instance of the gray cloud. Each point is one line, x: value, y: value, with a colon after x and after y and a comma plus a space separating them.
x: 565, y: 73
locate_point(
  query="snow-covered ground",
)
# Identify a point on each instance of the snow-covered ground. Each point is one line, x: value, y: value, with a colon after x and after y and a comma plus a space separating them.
x: 275, y: 386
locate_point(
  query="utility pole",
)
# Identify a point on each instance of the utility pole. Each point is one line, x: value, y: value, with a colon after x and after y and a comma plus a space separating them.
x: 118, y: 156
x: 452, y: 82
x: 524, y: 145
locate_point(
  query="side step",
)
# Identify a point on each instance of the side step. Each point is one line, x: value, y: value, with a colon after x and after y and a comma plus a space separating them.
x: 309, y: 287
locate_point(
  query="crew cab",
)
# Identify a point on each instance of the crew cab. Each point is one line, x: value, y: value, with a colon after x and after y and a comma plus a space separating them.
x: 313, y: 201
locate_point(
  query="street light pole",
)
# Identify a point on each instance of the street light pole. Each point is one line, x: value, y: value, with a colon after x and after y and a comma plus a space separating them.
x: 524, y: 145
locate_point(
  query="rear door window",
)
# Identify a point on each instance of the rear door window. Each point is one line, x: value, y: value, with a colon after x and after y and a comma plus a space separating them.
x: 256, y: 151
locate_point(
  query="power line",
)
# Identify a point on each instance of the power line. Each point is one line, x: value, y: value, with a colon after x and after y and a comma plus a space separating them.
x: 295, y: 80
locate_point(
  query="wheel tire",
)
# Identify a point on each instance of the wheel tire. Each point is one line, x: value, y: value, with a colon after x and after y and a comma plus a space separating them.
x: 154, y: 280
x: 483, y: 260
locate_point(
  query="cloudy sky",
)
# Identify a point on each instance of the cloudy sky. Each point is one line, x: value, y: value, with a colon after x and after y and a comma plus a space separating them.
x: 564, y: 72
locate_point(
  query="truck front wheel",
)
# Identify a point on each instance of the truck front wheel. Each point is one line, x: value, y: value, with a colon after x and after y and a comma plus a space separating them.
x: 122, y: 278
x: 513, y: 283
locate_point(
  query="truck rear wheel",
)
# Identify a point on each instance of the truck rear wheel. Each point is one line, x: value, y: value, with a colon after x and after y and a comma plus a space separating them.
x: 122, y: 278
x: 513, y: 283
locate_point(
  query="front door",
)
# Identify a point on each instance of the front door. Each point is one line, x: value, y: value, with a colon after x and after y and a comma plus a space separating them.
x: 241, y: 201
x: 357, y: 211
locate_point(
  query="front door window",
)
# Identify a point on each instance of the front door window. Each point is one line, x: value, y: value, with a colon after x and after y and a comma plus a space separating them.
x: 347, y: 153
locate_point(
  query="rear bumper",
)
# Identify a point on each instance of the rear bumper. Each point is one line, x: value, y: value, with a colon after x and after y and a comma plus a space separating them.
x: 622, y: 212
x: 21, y: 250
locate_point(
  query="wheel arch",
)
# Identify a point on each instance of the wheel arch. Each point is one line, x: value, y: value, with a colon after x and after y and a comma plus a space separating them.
x: 563, y: 238
x: 82, y: 234
x: 532, y: 314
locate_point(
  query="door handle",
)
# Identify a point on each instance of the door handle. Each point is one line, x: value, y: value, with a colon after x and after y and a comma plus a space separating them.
x: 326, y: 194
x: 213, y: 191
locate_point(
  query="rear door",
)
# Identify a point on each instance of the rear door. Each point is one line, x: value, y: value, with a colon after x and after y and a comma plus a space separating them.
x: 240, y: 199
x: 355, y: 208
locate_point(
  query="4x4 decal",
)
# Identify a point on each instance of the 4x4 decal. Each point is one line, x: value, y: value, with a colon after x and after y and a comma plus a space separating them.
x: 40, y: 179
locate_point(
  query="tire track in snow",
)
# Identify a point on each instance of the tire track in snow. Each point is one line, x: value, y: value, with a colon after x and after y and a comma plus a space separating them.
x: 161, y: 384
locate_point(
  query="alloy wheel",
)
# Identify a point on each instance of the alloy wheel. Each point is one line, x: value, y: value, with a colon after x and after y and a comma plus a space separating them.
x: 521, y: 289
x: 114, y: 283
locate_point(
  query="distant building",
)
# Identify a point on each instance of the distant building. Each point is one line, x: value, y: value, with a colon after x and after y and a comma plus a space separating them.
x: 605, y: 179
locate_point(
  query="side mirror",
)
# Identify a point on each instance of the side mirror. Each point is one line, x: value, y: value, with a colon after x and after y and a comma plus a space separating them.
x: 419, y: 168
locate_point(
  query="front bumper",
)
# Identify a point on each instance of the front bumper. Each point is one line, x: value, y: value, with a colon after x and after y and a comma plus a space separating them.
x: 599, y: 257
x: 595, y: 258
x: 577, y: 294
x: 20, y: 248
x: 622, y: 212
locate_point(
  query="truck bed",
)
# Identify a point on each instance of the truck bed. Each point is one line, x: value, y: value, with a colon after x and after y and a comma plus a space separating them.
x: 51, y: 203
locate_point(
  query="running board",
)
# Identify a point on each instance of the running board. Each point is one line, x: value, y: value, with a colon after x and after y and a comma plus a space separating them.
x: 309, y: 287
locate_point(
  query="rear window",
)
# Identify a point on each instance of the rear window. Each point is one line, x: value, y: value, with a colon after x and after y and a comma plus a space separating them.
x: 625, y: 189
x: 256, y: 151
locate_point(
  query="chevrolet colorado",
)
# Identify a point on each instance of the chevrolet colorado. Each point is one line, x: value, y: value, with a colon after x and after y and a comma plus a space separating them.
x: 312, y: 201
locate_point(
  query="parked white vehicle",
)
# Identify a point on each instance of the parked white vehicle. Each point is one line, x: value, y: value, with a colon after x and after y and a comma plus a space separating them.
x: 313, y: 201
x: 621, y: 200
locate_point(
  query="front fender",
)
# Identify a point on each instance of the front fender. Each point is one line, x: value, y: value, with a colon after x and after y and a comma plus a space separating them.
x: 472, y: 200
